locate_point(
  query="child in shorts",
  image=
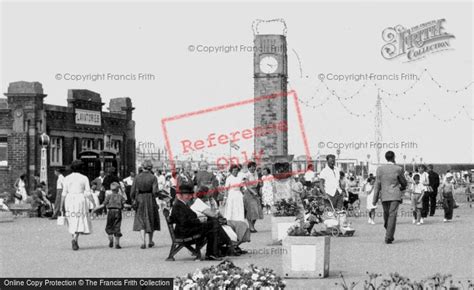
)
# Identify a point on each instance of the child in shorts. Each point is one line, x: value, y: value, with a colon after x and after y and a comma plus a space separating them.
x: 446, y: 191
x: 418, y: 191
x: 114, y: 203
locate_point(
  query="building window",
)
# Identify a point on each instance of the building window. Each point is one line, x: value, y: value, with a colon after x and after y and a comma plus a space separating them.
x: 56, y: 151
x: 108, y: 142
x: 100, y: 144
x: 87, y: 144
x: 3, y: 151
x: 74, y: 149
x: 116, y: 145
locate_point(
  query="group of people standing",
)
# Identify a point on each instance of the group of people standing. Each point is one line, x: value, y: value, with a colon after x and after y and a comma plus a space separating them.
x: 194, y: 197
x: 228, y: 208
x: 391, y: 183
x: 40, y: 201
x: 225, y: 210
x: 78, y: 199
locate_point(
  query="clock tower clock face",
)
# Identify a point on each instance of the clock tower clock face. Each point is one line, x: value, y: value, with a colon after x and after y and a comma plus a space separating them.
x: 268, y: 64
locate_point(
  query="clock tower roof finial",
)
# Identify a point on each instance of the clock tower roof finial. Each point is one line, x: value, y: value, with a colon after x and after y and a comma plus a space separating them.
x: 269, y: 27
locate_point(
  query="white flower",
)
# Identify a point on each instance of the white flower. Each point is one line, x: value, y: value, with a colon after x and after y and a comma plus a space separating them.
x: 199, y: 275
x: 237, y: 276
x: 224, y: 272
x: 254, y: 276
x: 256, y: 284
x: 226, y: 282
x: 189, y: 286
x: 262, y: 278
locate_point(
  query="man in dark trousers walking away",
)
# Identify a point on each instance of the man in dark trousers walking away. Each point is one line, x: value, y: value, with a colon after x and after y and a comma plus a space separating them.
x: 433, y: 178
x: 389, y: 184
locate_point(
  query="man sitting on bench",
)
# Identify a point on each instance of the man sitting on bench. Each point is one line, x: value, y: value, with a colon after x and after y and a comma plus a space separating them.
x: 188, y: 224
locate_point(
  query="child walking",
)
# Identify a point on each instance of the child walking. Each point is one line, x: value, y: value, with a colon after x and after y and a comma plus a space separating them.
x: 369, y: 190
x: 268, y: 190
x: 114, y: 203
x: 447, y: 197
x: 417, y: 194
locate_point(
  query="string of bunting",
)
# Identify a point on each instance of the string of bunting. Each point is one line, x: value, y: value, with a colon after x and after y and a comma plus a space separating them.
x: 426, y: 107
x: 307, y: 102
x: 388, y: 94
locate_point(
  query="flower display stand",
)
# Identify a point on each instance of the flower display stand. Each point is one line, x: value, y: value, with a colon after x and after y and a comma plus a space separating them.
x: 280, y: 226
x: 306, y: 257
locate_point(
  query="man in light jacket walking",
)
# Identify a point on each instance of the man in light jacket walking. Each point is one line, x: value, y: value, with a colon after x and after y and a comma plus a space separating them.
x: 389, y: 184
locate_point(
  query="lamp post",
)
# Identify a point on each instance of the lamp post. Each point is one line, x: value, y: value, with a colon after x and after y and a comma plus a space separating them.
x: 413, y: 163
x: 404, y: 161
x: 44, y: 142
x: 338, y: 152
x: 368, y: 160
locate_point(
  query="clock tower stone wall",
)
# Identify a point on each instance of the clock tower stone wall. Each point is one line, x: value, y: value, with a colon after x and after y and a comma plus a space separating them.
x: 275, y: 110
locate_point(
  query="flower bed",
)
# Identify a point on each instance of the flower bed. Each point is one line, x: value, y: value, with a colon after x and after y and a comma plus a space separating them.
x: 397, y: 281
x: 313, y: 222
x: 285, y: 207
x: 228, y: 276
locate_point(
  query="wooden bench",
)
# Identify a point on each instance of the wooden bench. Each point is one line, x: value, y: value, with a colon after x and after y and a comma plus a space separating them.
x: 178, y: 243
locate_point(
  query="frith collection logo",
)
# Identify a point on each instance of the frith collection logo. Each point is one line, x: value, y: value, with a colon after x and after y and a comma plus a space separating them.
x: 416, y: 42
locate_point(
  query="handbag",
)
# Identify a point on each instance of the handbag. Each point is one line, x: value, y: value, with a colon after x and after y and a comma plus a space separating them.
x: 61, y: 221
x: 17, y: 195
x: 135, y: 205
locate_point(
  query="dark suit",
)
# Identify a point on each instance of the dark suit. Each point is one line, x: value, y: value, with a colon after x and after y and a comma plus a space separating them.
x: 206, y: 181
x: 389, y: 184
x: 188, y: 225
x: 429, y: 200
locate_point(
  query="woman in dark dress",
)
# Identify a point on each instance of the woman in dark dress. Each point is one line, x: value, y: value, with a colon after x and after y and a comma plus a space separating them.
x: 143, y: 193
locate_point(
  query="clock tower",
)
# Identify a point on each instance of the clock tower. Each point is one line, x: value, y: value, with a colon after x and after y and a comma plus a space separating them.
x: 270, y: 77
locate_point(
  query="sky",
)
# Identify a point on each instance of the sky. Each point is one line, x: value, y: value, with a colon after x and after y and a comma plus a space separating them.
x: 169, y: 46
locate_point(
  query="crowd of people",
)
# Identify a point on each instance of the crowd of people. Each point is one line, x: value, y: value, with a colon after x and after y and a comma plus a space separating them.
x: 225, y: 206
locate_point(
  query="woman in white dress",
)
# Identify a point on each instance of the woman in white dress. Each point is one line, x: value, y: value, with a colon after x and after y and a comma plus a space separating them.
x: 76, y: 197
x: 369, y: 190
x: 268, y: 189
x: 234, y: 199
x: 20, y: 186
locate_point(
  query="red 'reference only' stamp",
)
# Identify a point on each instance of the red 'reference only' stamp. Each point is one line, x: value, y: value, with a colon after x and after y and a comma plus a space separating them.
x: 227, y: 141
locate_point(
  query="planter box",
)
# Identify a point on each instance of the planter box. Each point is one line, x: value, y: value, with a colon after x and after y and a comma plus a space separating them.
x: 306, y: 257
x: 280, y: 226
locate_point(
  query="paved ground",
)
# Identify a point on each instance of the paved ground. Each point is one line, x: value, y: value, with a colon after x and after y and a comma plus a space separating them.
x: 39, y: 248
